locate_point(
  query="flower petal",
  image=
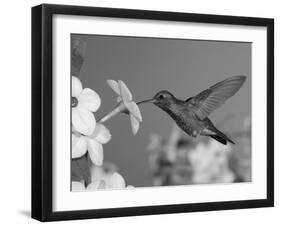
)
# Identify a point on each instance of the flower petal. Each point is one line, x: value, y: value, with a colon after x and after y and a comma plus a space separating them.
x: 119, y: 99
x: 116, y: 181
x: 101, y: 134
x: 95, y: 151
x: 93, y: 186
x: 79, y: 146
x: 77, y: 186
x: 134, y: 109
x: 102, y: 184
x: 135, y: 124
x: 89, y: 99
x: 83, y: 120
x: 76, y: 86
x: 114, y: 85
x: 125, y: 92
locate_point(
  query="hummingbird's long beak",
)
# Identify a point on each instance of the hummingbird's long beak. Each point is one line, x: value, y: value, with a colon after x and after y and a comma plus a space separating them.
x: 147, y: 101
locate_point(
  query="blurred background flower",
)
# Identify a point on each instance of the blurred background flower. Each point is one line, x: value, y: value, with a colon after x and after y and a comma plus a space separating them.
x: 210, y: 163
x: 95, y: 185
x: 180, y: 160
x: 101, y: 177
x: 78, y: 50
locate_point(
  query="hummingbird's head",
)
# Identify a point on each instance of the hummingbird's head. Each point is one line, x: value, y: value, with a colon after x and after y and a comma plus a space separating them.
x: 162, y: 99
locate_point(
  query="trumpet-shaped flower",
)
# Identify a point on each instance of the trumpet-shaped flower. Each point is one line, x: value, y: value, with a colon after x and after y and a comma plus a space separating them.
x: 92, y: 143
x: 125, y: 104
x: 84, y: 102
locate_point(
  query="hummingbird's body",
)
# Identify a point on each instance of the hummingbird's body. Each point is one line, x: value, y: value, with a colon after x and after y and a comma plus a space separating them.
x: 183, y: 117
x: 186, y: 119
x: 191, y: 115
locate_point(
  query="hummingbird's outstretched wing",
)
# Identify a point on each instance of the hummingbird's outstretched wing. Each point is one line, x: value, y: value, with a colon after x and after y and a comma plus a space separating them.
x: 211, y: 99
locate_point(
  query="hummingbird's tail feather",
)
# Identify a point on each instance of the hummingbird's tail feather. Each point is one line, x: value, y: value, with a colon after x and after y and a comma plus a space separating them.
x: 221, y: 140
x: 220, y: 137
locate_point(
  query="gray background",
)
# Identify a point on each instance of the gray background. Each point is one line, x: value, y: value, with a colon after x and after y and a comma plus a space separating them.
x: 147, y: 65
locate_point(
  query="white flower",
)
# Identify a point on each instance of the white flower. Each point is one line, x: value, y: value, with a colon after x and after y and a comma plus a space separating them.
x: 126, y: 103
x: 79, y: 145
x: 84, y: 102
x: 95, y: 185
x: 116, y: 181
x: 100, y: 136
x: 210, y: 163
x: 113, y: 181
x: 92, y: 143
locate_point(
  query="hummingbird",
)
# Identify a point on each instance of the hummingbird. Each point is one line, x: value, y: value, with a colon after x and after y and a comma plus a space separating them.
x: 191, y: 115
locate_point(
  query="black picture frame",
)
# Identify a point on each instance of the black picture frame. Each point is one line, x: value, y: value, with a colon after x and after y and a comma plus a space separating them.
x: 42, y: 107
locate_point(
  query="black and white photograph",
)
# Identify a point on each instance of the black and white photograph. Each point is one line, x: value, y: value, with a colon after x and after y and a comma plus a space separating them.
x: 138, y: 113
x: 151, y: 112
x: 141, y: 112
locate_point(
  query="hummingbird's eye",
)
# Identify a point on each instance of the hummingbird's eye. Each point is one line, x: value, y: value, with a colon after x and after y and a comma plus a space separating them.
x: 161, y: 96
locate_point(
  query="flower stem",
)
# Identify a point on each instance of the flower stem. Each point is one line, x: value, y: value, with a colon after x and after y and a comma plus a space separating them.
x: 118, y: 109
